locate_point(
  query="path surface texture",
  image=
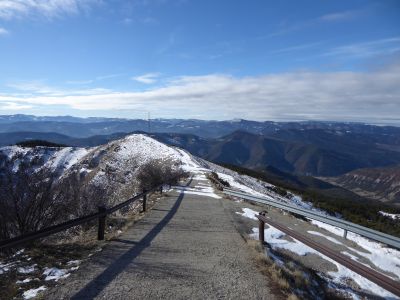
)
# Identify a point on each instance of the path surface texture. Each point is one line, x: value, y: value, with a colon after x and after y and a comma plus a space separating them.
x: 186, y: 247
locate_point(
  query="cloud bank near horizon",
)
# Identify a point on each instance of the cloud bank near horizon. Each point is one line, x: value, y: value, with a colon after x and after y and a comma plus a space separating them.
x: 304, y: 95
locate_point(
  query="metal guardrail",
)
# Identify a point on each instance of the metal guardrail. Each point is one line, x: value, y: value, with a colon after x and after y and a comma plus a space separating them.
x: 372, y: 275
x: 345, y: 225
x: 100, y: 215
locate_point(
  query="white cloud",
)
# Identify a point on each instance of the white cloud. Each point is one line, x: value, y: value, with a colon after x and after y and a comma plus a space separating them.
x: 13, y: 106
x: 147, y: 78
x: 342, y: 96
x: 10, y: 9
x: 4, y: 31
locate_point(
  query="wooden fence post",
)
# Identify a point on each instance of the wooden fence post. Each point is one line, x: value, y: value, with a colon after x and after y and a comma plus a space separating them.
x: 144, y: 200
x: 261, y: 225
x: 102, y: 223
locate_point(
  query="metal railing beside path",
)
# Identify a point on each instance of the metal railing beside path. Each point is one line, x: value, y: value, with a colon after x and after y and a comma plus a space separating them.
x: 100, y: 215
x: 308, y: 213
x: 379, y: 278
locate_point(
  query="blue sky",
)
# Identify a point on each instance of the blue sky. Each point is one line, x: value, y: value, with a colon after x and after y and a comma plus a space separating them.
x: 261, y: 60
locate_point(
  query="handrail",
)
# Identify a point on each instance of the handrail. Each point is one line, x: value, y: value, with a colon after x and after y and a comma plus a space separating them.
x: 22, y: 239
x: 376, y: 277
x: 345, y: 225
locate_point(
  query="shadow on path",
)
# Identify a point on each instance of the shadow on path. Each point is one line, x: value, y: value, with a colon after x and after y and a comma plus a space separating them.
x: 94, y: 287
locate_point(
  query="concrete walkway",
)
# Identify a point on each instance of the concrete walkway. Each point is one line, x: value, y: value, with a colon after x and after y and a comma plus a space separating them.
x: 186, y: 247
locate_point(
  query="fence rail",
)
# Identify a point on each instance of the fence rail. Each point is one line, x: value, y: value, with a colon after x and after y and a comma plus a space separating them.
x: 372, y: 275
x: 100, y: 215
x: 345, y: 225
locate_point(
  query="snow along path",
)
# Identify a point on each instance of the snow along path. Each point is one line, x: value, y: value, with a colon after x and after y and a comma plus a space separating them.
x: 186, y: 247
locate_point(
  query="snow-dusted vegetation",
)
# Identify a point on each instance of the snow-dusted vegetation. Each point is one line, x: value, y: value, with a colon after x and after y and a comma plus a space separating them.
x: 70, y: 182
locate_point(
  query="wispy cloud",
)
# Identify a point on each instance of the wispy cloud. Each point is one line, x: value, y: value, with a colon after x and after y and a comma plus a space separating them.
x: 343, y: 96
x: 79, y: 82
x: 10, y: 9
x: 367, y: 49
x: 168, y: 44
x: 38, y: 87
x: 98, y: 78
x: 147, y: 78
x: 4, y: 31
x: 296, y: 48
x: 108, y: 76
x: 149, y: 21
x: 127, y: 21
x: 340, y: 16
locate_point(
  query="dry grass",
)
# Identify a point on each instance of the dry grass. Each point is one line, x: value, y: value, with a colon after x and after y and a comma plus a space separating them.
x: 267, y: 267
x: 292, y: 297
x: 292, y: 280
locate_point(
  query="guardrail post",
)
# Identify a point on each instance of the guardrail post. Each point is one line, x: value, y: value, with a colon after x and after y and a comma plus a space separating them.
x: 261, y: 225
x: 345, y: 233
x: 102, y: 223
x: 144, y: 200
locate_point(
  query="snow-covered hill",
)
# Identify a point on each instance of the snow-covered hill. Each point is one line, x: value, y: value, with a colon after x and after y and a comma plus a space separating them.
x: 108, y: 171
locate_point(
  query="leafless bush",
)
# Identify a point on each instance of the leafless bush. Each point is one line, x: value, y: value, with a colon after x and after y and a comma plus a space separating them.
x: 27, y: 203
x: 159, y: 171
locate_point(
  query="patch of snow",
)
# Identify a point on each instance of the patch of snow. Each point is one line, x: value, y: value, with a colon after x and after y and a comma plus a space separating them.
x: 298, y: 200
x: 274, y: 238
x: 332, y: 239
x: 26, y: 280
x: 391, y: 216
x: 343, y: 273
x: 350, y: 255
x: 26, y: 270
x: 19, y: 252
x: 55, y: 274
x: 6, y: 267
x: 199, y: 190
x: 239, y: 186
x: 73, y: 262
x: 382, y: 257
x: 248, y: 213
x: 32, y: 293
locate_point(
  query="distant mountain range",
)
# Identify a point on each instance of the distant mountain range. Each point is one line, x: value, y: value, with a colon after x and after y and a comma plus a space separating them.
x: 306, y: 152
x: 86, y: 127
x: 326, y: 149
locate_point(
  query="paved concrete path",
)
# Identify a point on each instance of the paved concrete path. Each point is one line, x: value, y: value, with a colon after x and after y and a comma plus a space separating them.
x: 186, y: 247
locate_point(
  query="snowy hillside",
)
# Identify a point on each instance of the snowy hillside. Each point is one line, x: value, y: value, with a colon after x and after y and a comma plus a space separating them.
x: 55, y: 159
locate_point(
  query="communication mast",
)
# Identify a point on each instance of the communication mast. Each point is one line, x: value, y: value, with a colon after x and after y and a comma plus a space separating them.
x: 148, y: 119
